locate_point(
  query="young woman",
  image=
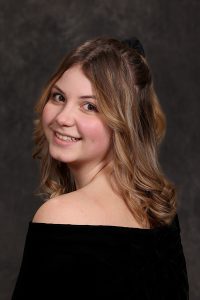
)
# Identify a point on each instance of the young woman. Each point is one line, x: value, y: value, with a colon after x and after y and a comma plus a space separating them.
x: 110, y: 226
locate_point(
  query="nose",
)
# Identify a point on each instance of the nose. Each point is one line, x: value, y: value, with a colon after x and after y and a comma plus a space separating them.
x: 65, y: 117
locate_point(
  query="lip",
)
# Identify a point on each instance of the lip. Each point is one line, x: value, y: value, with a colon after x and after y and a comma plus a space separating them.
x: 62, y: 142
x: 67, y: 134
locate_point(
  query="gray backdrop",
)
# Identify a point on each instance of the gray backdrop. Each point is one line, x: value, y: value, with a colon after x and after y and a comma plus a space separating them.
x: 35, y: 35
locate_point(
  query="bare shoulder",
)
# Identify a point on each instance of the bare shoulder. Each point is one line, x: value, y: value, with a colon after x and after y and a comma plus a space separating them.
x: 78, y: 208
x: 72, y: 208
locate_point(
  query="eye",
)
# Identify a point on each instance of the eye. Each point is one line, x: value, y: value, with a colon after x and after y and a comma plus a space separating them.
x: 91, y: 107
x: 57, y: 97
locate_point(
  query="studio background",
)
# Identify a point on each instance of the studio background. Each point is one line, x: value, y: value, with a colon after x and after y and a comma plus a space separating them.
x: 35, y: 35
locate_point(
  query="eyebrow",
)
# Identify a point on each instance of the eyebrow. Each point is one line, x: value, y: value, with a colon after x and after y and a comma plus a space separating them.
x: 81, y: 97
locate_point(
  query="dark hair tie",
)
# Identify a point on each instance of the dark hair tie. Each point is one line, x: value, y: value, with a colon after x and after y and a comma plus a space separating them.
x: 134, y: 43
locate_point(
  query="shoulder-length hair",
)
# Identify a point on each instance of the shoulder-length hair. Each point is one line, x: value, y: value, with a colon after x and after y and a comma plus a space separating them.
x: 127, y: 100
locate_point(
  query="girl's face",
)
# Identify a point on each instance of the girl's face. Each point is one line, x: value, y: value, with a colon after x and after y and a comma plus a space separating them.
x: 71, y: 112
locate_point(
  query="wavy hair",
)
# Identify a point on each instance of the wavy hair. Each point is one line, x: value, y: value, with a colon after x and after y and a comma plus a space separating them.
x: 127, y: 100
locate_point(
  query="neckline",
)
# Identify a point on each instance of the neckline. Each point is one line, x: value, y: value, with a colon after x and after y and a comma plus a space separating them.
x: 99, y: 226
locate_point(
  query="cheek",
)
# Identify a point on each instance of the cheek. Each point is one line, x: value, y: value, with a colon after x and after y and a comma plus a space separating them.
x: 46, y: 116
x: 97, y: 132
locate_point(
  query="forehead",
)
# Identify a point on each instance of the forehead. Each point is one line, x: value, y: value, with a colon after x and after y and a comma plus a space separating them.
x: 74, y: 79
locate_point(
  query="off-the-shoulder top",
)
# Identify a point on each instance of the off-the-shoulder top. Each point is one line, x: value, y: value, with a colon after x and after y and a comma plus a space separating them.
x: 67, y: 261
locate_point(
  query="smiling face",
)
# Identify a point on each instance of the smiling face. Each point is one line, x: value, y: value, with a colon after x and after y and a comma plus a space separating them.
x: 71, y: 111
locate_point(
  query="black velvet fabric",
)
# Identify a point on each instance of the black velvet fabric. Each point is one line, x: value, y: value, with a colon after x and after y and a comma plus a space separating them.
x: 67, y: 261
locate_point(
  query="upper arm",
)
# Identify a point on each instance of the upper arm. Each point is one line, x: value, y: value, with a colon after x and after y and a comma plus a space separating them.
x: 66, y: 209
x: 46, y: 212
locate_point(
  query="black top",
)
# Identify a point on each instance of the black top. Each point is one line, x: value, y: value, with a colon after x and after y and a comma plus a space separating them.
x: 67, y: 261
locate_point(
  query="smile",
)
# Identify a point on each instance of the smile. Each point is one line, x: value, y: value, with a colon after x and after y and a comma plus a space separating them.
x: 66, y: 138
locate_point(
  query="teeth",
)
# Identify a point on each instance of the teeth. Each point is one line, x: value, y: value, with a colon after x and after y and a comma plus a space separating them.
x: 66, y: 138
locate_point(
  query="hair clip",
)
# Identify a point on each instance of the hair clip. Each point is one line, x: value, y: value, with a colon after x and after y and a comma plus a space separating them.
x: 134, y: 43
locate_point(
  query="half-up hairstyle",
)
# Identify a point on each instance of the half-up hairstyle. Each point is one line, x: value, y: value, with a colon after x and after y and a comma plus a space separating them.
x: 126, y: 98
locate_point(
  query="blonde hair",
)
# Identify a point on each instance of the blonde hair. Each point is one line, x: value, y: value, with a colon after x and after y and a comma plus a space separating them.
x: 127, y: 100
